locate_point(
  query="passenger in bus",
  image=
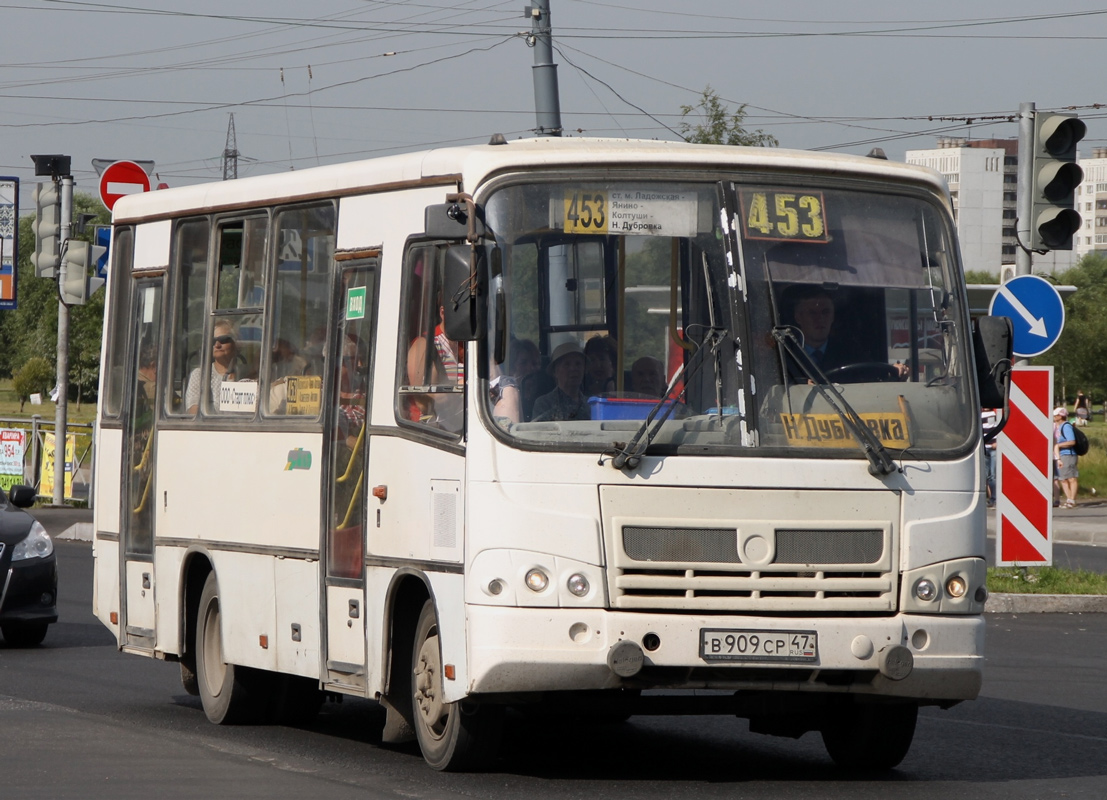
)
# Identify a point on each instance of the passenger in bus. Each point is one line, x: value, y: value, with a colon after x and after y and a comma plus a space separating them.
x: 566, y: 401
x: 647, y: 377
x: 601, y: 355
x: 352, y: 386
x: 225, y: 366
x: 285, y: 360
x: 442, y: 371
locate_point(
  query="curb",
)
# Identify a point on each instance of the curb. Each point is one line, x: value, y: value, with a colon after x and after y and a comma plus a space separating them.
x: 81, y: 532
x: 1046, y: 604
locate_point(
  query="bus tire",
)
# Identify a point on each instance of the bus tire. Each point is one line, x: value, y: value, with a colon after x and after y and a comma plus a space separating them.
x: 454, y: 737
x: 870, y: 736
x: 231, y: 695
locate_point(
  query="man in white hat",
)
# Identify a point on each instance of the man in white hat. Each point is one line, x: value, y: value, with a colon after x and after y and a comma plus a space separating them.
x: 566, y: 401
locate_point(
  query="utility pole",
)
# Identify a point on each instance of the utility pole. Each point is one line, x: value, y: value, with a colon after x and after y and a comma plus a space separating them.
x: 1025, y: 202
x: 230, y: 153
x: 62, y: 407
x: 547, y: 104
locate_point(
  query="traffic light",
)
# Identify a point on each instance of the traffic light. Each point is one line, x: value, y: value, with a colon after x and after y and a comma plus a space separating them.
x: 47, y: 229
x: 77, y: 285
x: 1055, y: 177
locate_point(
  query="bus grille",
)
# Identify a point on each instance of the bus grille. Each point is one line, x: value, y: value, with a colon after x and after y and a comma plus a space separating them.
x: 701, y: 569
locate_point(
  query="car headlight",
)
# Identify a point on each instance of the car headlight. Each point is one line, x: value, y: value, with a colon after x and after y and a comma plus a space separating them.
x: 36, y: 544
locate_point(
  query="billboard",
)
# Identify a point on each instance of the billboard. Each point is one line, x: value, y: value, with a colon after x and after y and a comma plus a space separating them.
x: 9, y: 240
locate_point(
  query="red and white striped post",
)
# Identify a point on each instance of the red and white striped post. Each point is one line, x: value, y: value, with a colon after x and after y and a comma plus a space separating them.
x: 1024, y: 473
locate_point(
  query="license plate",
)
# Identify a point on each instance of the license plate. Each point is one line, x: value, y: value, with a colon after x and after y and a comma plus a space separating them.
x: 717, y: 644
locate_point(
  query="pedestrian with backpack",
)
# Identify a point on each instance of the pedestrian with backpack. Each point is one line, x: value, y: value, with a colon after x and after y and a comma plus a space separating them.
x: 1064, y: 454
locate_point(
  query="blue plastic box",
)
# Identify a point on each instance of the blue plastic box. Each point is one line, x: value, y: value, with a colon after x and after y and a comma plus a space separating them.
x: 608, y: 408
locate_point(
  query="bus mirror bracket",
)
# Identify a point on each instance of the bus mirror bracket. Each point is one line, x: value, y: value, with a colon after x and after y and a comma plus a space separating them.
x: 993, y: 345
x: 457, y: 218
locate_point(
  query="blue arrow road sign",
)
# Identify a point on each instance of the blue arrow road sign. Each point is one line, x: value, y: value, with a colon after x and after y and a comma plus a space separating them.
x: 1036, y: 312
x: 102, y: 239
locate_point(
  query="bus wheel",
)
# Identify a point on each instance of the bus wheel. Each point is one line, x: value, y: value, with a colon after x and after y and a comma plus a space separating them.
x: 870, y: 736
x: 453, y: 737
x: 230, y: 694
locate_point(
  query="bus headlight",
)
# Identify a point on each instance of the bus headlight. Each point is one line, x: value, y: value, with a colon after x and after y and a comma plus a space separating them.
x: 956, y: 586
x: 537, y: 580
x: 925, y: 590
x: 577, y: 584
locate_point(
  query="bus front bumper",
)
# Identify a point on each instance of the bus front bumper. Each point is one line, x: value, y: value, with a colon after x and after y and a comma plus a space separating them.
x: 931, y: 658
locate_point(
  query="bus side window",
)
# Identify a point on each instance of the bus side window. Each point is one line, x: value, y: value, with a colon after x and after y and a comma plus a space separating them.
x: 119, y: 319
x: 304, y: 253
x: 189, y: 318
x: 432, y: 366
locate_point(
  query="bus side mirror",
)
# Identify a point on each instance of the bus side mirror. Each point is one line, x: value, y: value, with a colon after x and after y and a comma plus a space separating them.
x: 464, y: 282
x: 450, y: 221
x: 993, y: 342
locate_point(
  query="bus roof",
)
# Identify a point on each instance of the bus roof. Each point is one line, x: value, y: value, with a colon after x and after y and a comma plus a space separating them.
x: 470, y: 165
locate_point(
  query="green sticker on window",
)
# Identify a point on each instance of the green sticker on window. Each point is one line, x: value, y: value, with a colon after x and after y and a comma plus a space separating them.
x: 355, y: 303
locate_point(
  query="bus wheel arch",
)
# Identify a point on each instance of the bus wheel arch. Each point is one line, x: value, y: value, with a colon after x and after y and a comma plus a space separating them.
x: 194, y: 571
x: 407, y: 593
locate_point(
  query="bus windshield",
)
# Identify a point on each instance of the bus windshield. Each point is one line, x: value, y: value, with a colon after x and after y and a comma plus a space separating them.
x: 715, y: 308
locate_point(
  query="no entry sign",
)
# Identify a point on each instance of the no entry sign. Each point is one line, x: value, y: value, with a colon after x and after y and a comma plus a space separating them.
x: 1024, y: 533
x: 121, y: 179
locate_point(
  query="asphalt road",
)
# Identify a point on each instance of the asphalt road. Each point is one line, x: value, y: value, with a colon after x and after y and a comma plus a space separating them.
x: 80, y: 720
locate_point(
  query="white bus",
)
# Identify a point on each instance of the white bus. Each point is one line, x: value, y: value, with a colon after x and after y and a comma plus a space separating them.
x: 560, y: 425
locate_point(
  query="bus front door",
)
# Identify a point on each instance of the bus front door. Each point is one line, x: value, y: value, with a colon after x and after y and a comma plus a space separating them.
x: 138, y: 491
x: 345, y: 506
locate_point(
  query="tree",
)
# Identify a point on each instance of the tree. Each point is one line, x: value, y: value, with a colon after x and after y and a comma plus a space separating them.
x: 34, y: 377
x: 720, y: 125
x: 31, y: 330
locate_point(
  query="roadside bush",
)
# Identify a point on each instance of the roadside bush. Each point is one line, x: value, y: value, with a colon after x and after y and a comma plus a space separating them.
x: 37, y: 375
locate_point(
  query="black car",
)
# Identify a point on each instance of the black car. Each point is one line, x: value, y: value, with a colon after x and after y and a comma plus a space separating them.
x: 28, y: 572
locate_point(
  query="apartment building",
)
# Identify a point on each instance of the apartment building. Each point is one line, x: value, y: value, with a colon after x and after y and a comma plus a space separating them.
x: 983, y: 180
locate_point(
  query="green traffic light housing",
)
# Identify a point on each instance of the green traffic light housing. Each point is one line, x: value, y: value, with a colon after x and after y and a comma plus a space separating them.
x: 1056, y: 175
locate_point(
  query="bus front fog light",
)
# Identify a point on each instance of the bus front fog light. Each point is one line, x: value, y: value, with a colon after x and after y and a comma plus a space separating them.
x: 495, y: 586
x: 537, y: 580
x: 956, y: 586
x: 925, y: 590
x: 578, y: 584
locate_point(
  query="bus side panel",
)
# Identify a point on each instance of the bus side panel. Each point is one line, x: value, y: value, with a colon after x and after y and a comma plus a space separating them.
x: 109, y: 450
x: 234, y: 488
x: 247, y: 609
x: 423, y: 516
x: 105, y: 578
x: 297, y: 609
x: 167, y: 569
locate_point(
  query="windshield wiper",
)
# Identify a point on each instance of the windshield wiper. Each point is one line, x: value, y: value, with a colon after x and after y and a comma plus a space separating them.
x: 880, y: 462
x: 629, y: 455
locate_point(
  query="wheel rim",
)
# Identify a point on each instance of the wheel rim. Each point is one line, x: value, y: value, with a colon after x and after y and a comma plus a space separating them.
x: 212, y: 657
x: 431, y: 712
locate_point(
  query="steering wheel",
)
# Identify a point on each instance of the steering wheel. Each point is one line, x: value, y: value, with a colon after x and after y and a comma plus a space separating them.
x: 864, y: 372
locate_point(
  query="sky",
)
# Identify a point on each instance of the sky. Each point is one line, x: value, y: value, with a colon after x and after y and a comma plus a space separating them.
x: 341, y: 80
